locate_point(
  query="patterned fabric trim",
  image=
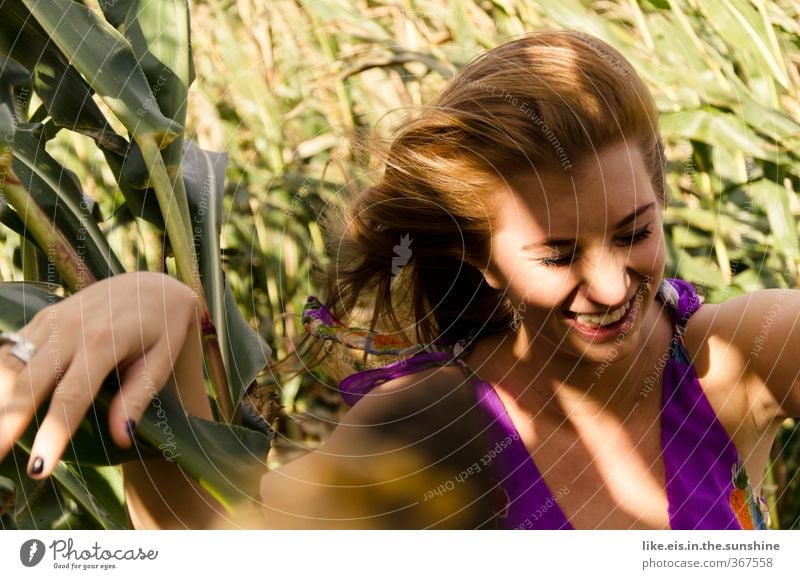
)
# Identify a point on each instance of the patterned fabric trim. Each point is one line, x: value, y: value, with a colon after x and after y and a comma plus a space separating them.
x: 321, y: 323
x: 751, y: 510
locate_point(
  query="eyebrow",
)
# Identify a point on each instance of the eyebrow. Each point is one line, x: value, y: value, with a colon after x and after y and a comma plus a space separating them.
x: 564, y: 242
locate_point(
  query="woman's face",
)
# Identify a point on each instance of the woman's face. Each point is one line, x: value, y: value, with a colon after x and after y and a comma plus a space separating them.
x: 581, y: 255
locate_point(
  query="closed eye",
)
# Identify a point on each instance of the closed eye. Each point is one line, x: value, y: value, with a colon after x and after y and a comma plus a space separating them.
x: 636, y: 236
x: 565, y: 260
x: 558, y: 261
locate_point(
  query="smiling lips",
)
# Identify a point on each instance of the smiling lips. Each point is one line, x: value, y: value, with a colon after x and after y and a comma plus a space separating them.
x: 606, y: 326
x: 603, y: 320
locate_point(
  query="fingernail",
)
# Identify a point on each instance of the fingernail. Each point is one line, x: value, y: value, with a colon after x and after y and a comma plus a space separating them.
x: 38, y: 465
x: 131, y: 428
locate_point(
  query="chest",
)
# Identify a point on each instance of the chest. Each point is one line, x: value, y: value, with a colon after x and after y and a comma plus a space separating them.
x: 605, y: 473
x: 608, y: 471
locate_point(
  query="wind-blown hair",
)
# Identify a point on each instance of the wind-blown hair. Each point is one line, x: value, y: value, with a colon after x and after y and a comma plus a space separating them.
x: 543, y: 102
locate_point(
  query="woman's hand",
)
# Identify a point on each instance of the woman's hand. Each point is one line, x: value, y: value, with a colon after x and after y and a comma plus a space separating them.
x: 137, y: 321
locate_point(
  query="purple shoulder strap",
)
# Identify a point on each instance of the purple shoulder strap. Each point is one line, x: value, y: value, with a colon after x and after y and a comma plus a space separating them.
x: 357, y: 385
x: 698, y: 453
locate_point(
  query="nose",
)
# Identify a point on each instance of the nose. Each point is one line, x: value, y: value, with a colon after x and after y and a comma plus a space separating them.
x: 606, y: 281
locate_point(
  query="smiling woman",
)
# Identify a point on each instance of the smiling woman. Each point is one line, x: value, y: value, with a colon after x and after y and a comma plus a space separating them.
x: 608, y: 398
x: 544, y: 282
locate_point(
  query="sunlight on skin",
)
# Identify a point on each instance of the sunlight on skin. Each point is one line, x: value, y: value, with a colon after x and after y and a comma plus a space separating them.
x: 585, y: 243
x: 604, y: 453
x: 606, y: 272
x: 14, y: 410
x: 631, y: 480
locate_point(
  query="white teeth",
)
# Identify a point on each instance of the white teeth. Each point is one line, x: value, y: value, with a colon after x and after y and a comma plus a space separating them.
x: 609, y: 318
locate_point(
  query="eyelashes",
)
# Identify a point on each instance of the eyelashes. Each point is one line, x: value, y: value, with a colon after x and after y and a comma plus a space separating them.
x: 556, y: 261
x: 561, y: 261
x: 640, y: 235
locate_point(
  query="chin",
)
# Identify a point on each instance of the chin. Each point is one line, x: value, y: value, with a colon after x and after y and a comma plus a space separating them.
x: 606, y: 346
x: 607, y: 354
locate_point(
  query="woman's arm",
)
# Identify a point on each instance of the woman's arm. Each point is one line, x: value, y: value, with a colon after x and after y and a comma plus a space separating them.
x: 763, y: 330
x: 158, y: 494
x: 408, y: 455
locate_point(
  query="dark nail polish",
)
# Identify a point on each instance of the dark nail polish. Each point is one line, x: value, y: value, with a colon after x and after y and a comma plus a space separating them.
x: 131, y: 428
x: 38, y: 465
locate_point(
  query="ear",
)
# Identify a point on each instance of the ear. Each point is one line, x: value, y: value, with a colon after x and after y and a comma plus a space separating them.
x: 491, y: 278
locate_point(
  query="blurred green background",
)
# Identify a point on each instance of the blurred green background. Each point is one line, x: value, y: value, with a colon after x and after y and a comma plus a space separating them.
x: 293, y: 90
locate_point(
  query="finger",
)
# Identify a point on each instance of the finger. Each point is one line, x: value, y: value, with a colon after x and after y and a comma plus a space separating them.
x: 23, y: 388
x: 140, y: 382
x: 71, y: 399
x: 11, y: 362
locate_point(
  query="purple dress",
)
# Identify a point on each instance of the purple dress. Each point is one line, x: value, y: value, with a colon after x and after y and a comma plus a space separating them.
x: 703, y: 470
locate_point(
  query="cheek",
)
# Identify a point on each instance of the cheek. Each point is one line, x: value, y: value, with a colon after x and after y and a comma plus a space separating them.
x: 541, y: 291
x: 651, y: 254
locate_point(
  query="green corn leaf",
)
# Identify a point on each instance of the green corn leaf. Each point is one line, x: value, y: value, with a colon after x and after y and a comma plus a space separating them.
x: 724, y: 130
x: 741, y: 27
x: 774, y: 123
x: 13, y: 75
x: 38, y: 504
x: 68, y: 101
x: 42, y: 504
x: 688, y: 237
x: 101, y: 503
x: 56, y: 247
x: 8, y: 494
x: 227, y: 460
x: 699, y: 270
x: 141, y: 200
x: 10, y: 219
x: 105, y: 59
x: 344, y: 14
x: 710, y: 221
x: 98, y: 490
x: 158, y: 33
x: 244, y: 352
x: 57, y: 192
x: 159, y: 36
x: 774, y: 200
x: 66, y: 95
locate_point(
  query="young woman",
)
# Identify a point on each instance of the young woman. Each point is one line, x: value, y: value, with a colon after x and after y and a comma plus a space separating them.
x: 555, y: 379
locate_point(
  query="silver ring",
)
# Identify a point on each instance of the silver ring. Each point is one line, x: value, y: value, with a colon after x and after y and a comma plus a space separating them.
x: 23, y: 350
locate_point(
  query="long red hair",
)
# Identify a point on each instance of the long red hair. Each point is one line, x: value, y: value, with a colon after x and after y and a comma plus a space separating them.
x: 541, y: 102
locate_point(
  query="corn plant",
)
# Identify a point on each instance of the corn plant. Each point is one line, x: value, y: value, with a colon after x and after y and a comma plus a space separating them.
x: 118, y: 72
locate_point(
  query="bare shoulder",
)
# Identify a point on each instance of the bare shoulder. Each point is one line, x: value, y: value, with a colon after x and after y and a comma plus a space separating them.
x: 744, y: 351
x: 709, y: 341
x: 751, y: 341
x: 406, y: 438
x: 721, y: 368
